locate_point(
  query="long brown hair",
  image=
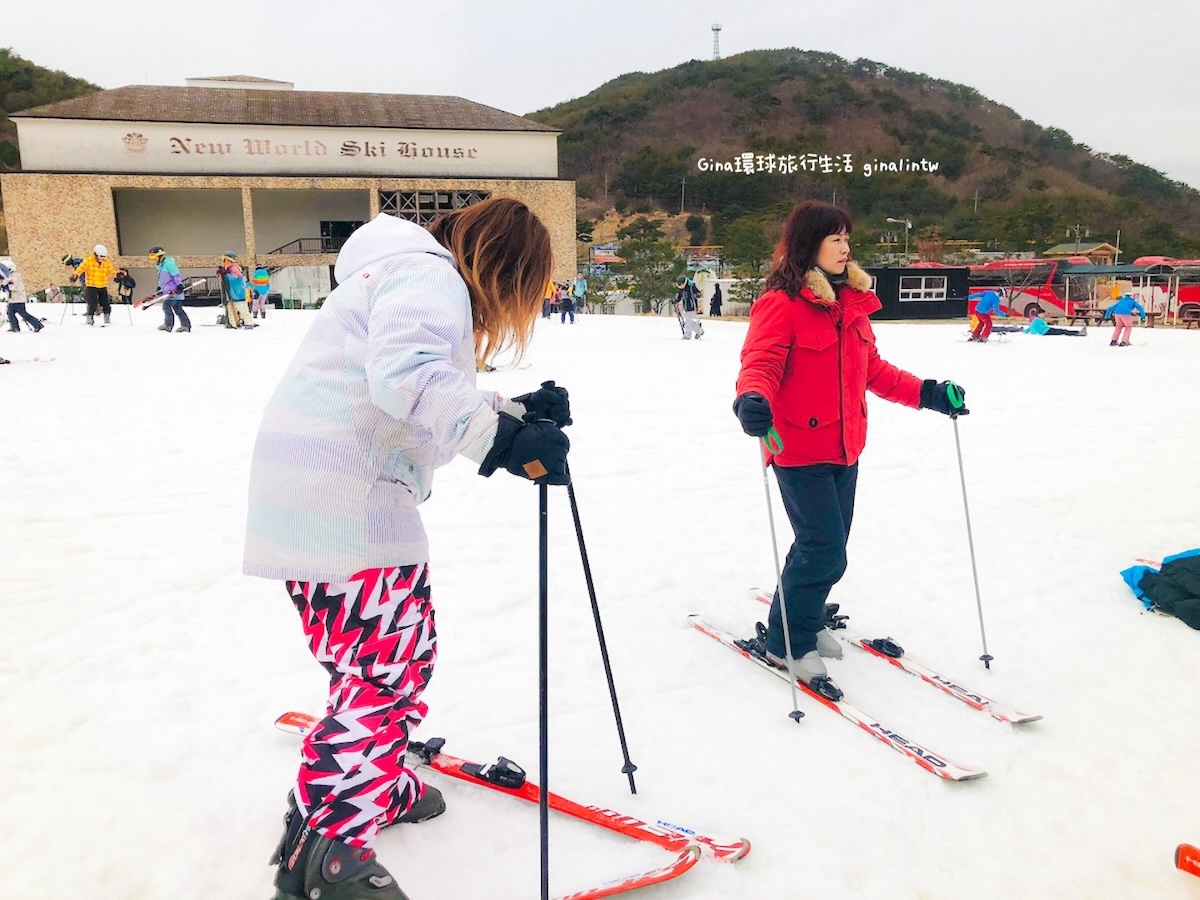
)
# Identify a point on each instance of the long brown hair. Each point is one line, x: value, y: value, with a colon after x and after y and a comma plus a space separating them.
x: 806, y: 226
x: 503, y: 254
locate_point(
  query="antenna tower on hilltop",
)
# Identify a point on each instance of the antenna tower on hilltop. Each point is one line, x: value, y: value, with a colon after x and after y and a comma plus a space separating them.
x: 716, y: 30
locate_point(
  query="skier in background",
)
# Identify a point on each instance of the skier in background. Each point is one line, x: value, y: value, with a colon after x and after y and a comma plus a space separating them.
x: 1122, y: 313
x: 566, y: 305
x: 988, y: 304
x: 12, y: 292
x: 579, y: 292
x: 125, y: 285
x: 97, y: 271
x: 260, y: 282
x: 170, y: 285
x: 1038, y: 325
x: 380, y: 393
x: 238, y: 314
x: 687, y: 305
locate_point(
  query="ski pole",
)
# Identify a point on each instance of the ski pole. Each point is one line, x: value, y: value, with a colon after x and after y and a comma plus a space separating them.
x: 956, y: 401
x: 772, y: 442
x: 543, y: 692
x: 629, y: 768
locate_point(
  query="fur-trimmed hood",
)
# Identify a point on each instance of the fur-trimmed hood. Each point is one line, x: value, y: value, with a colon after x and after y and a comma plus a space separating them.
x: 822, y: 290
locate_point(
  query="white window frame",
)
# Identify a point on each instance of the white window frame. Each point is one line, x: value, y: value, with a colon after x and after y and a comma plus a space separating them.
x: 923, y: 288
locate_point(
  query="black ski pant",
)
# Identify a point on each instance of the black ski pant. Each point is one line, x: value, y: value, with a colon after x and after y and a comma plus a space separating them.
x: 18, y: 309
x: 819, y: 501
x: 97, y: 297
x: 173, y: 306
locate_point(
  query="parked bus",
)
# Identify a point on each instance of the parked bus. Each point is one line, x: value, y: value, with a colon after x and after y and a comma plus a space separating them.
x: 1180, y: 278
x: 1034, y: 286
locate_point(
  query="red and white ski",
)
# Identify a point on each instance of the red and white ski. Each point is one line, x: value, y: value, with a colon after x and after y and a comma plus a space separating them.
x: 507, y: 778
x: 934, y: 763
x: 876, y: 648
x: 1187, y: 859
x: 153, y: 299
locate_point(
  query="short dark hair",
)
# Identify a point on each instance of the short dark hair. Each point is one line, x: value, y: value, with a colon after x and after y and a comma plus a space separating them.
x: 806, y: 226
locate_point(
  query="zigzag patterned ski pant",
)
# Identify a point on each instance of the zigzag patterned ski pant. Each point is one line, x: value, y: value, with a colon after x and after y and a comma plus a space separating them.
x: 375, y: 635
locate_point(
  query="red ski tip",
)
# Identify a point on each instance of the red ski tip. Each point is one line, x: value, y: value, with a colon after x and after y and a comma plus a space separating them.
x: 1187, y: 859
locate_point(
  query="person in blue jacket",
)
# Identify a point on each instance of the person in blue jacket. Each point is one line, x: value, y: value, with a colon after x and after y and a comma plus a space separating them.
x: 1038, y: 325
x: 988, y: 304
x: 1121, y: 313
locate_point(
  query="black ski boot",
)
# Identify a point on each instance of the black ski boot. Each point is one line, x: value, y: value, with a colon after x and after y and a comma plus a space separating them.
x: 311, y: 867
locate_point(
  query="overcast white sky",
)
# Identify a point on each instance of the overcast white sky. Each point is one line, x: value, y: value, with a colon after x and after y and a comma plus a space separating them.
x: 1117, y: 75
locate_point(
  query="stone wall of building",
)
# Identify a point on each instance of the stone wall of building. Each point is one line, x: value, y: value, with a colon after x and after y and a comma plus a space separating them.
x: 48, y: 215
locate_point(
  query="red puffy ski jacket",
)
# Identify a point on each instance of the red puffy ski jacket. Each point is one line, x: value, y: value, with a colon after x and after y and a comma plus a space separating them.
x: 813, y: 358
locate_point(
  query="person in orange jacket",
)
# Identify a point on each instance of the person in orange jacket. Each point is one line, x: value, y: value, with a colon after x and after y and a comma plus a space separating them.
x: 808, y: 360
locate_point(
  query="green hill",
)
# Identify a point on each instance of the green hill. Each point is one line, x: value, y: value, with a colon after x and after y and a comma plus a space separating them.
x: 1002, y: 180
x: 24, y: 85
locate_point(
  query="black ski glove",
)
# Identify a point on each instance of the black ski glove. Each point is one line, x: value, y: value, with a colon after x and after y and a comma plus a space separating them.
x: 940, y: 396
x: 547, y: 403
x: 533, y: 450
x: 754, y: 412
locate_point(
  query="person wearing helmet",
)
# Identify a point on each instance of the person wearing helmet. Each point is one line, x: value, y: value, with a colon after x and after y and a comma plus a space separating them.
x: 687, y: 307
x: 97, y: 271
x: 237, y: 315
x: 170, y: 285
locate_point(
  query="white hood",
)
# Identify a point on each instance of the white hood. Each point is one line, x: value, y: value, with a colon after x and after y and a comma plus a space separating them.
x: 382, y: 238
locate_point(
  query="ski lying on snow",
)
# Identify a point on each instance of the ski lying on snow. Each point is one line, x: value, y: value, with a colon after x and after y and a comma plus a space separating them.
x: 884, y: 648
x: 931, y: 762
x: 1187, y: 859
x: 506, y: 777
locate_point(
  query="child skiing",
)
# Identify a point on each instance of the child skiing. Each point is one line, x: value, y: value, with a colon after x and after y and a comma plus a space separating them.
x: 260, y: 282
x: 125, y: 285
x: 170, y: 285
x: 380, y: 393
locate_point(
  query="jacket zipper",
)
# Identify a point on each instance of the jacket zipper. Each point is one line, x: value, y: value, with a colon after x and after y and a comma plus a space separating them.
x: 837, y: 324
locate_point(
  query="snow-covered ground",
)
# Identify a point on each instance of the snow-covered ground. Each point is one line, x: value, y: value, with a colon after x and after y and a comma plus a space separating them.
x: 141, y: 672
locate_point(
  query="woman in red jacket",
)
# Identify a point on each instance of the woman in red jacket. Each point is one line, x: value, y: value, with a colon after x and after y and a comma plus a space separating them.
x: 807, y: 363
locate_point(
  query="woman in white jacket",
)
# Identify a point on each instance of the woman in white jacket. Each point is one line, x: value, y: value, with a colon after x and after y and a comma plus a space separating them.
x: 380, y: 393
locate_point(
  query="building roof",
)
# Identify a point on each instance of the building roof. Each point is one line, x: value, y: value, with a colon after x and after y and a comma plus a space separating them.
x: 1081, y: 249
x: 233, y: 106
x: 242, y: 78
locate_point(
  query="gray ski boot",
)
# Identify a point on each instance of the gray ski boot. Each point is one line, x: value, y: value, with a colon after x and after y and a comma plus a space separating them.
x: 827, y: 645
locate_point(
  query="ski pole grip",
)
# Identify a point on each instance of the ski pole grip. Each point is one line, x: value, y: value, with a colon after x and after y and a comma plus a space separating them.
x: 955, y: 395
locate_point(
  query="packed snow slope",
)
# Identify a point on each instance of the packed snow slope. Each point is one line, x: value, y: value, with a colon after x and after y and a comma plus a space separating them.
x: 142, y: 671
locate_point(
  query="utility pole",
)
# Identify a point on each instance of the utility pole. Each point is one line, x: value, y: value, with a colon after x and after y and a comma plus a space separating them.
x: 682, y: 190
x: 976, y: 199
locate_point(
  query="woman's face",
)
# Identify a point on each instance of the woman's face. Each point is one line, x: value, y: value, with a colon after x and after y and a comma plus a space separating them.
x: 834, y: 253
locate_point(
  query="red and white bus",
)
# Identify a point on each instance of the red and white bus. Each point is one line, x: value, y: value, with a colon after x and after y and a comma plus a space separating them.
x: 1035, y: 286
x: 1179, y: 279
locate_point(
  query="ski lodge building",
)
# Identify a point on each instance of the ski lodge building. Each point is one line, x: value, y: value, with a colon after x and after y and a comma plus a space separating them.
x: 279, y: 176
